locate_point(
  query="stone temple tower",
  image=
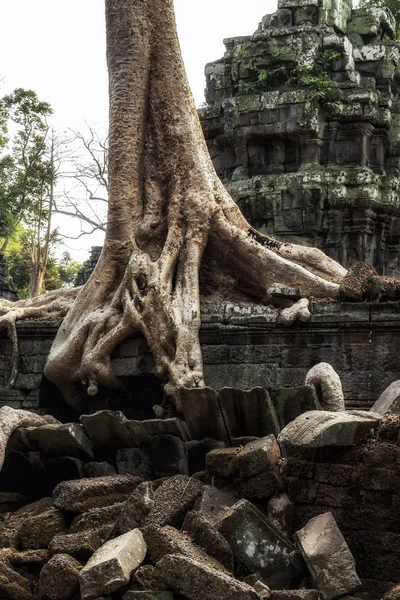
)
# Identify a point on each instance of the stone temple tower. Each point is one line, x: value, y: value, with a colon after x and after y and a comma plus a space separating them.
x: 302, y: 121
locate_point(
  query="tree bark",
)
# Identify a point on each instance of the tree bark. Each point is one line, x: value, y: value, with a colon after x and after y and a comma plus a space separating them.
x: 168, y: 215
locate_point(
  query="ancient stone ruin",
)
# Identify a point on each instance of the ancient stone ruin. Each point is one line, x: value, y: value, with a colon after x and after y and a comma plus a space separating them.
x: 302, y: 123
x: 281, y: 479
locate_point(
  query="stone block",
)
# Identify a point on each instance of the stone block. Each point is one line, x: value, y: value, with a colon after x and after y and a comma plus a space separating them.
x: 135, y: 509
x: 291, y: 402
x: 295, y: 595
x: 84, y: 494
x: 13, y: 586
x: 389, y: 401
x: 96, y: 517
x: 59, y: 578
x: 213, y: 503
x: 221, y: 462
x: 61, y: 440
x: 280, y: 512
x: 198, y: 581
x: 315, y: 429
x: 135, y: 461
x: 196, y: 452
x: 204, y: 534
x: 202, y: 414
x: 143, y: 431
x: 10, y: 501
x: 36, y: 531
x: 147, y: 595
x: 248, y: 412
x: 99, y: 469
x: 110, y: 567
x: 263, y: 485
x: 80, y: 545
x: 257, y: 457
x: 172, y: 500
x: 168, y: 456
x: 328, y: 557
x: 261, y: 547
x: 107, y: 429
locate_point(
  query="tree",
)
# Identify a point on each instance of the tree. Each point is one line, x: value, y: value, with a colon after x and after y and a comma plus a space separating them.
x: 171, y: 227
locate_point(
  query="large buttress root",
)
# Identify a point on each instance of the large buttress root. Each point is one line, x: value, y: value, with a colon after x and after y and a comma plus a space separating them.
x: 167, y: 208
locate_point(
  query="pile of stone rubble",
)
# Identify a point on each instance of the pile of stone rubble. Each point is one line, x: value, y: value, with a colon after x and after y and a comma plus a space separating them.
x: 156, y: 510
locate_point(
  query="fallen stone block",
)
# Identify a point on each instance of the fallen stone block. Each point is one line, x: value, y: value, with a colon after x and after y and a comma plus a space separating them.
x: 172, y: 500
x: 11, y: 523
x: 13, y: 586
x: 204, y: 535
x: 37, y: 531
x: 203, y: 415
x: 97, y: 517
x: 135, y: 509
x: 295, y: 595
x: 262, y: 590
x: 196, y: 452
x: 393, y: 594
x: 281, y: 512
x: 162, y: 541
x: 222, y: 462
x: 213, y: 503
x: 10, y: 501
x: 83, y: 494
x: 389, y: 401
x: 258, y: 457
x: 248, y: 412
x: 110, y: 567
x: 80, y: 545
x: 263, y: 485
x: 99, y: 469
x: 135, y: 461
x: 59, y: 578
x: 328, y: 557
x: 30, y: 558
x: 143, y: 431
x: 291, y: 402
x: 107, y: 429
x: 61, y: 440
x: 168, y: 456
x: 260, y: 547
x: 316, y: 429
x: 146, y: 595
x: 198, y: 581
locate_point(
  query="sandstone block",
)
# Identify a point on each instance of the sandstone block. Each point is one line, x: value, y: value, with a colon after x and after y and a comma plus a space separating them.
x: 59, y: 578
x: 316, y: 429
x: 64, y: 440
x: 197, y: 450
x: 389, y: 401
x: 111, y: 566
x: 168, y: 456
x: 221, y: 462
x: 146, y: 595
x: 213, y: 503
x: 135, y: 509
x: 258, y: 457
x: 328, y: 557
x: 13, y: 586
x: 143, y: 431
x: 107, y: 429
x: 82, y: 544
x: 281, y: 513
x: 204, y: 534
x: 263, y: 485
x: 37, y: 531
x: 99, y: 469
x: 96, y: 517
x: 295, y: 595
x: 83, y: 494
x: 248, y: 412
x: 172, y: 500
x: 202, y: 414
x: 261, y: 547
x: 199, y: 581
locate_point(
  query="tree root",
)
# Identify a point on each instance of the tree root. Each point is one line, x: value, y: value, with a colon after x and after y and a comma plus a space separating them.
x: 328, y: 386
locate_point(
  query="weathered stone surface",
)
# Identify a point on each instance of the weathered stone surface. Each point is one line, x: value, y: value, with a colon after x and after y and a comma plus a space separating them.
x: 110, y: 567
x: 263, y: 485
x: 99, y: 469
x: 204, y: 534
x: 262, y: 590
x: 258, y: 457
x: 81, y: 545
x: 393, y: 594
x: 295, y: 595
x: 97, y: 517
x: 260, y: 546
x: 172, y: 500
x: 59, y: 578
x: 143, y: 431
x: 328, y: 385
x: 135, y: 461
x: 328, y: 557
x: 64, y: 440
x: 213, y: 503
x: 36, y: 531
x: 389, y: 400
x: 107, y: 429
x: 281, y: 513
x: 10, y: 502
x: 163, y: 541
x: 168, y: 456
x: 222, y: 462
x: 196, y: 452
x: 248, y: 412
x: 146, y: 595
x: 13, y: 586
x: 84, y: 494
x: 316, y: 429
x: 202, y: 414
x: 198, y: 581
x: 12, y: 522
x: 135, y: 509
x: 291, y: 402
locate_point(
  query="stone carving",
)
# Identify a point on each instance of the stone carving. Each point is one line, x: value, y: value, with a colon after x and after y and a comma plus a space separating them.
x: 302, y: 124
x: 328, y: 386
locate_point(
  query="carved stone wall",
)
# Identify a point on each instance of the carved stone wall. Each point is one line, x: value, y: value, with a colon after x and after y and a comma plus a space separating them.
x: 302, y: 122
x: 243, y: 347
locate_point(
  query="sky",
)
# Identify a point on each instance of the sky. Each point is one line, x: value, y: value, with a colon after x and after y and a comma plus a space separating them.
x: 57, y: 48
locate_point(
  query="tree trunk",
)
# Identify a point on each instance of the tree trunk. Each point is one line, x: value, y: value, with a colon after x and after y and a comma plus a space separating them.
x: 166, y: 207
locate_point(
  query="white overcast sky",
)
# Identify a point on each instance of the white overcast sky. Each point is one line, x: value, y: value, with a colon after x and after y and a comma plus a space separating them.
x: 57, y: 48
